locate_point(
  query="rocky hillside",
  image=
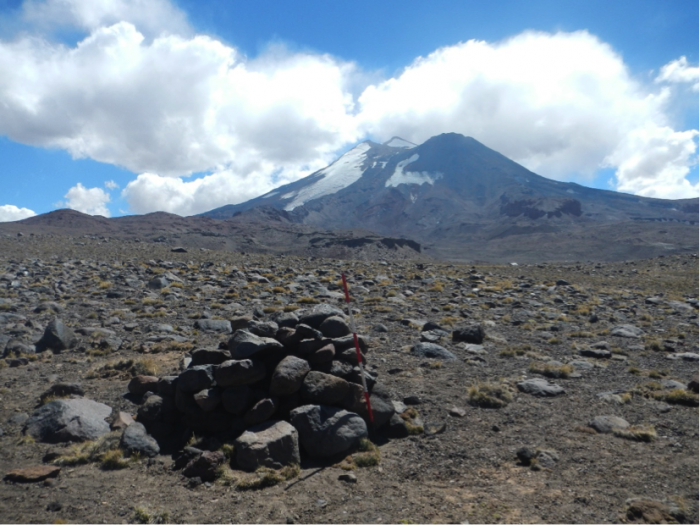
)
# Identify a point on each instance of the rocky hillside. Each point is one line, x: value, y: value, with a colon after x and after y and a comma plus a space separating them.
x: 464, y: 201
x: 200, y: 379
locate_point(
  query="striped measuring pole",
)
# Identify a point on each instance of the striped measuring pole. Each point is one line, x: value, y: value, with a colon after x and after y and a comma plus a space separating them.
x: 357, y: 347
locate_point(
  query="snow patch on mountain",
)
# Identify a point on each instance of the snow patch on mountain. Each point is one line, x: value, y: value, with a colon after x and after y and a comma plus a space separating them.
x: 411, y: 177
x: 341, y: 174
x: 398, y: 142
x: 271, y: 194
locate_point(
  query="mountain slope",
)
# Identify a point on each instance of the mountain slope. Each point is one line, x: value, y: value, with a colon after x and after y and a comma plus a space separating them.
x: 462, y: 200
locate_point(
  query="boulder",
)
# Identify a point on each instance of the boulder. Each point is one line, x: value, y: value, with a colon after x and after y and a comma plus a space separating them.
x: 209, y: 356
x: 219, y: 326
x: 261, y: 411
x: 158, y: 283
x: 288, y: 376
x: 57, y: 337
x: 471, y: 334
x: 627, y: 330
x: 323, y: 388
x: 540, y: 388
x: 205, y: 465
x: 244, y: 345
x: 141, y: 384
x: 236, y: 400
x: 207, y: 399
x: 318, y: 314
x: 334, y: 326
x: 135, y: 440
x: 272, y: 444
x: 239, y: 372
x: 326, y: 431
x: 196, y: 378
x: 262, y: 328
x: 433, y: 351
x: 607, y: 424
x: 66, y: 420
x: 693, y: 384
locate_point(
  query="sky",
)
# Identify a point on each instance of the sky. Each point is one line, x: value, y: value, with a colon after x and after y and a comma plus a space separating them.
x: 117, y: 107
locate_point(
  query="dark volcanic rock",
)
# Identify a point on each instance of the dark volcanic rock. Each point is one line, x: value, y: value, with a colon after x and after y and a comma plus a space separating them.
x: 66, y: 420
x: 57, y: 337
x: 326, y: 431
x: 432, y: 351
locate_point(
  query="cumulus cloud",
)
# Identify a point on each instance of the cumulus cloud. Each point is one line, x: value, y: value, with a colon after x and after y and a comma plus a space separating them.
x: 142, y: 91
x: 9, y: 212
x: 564, y: 105
x: 92, y: 201
x: 679, y: 71
x: 111, y: 185
x: 153, y: 17
x: 151, y: 192
x: 175, y: 105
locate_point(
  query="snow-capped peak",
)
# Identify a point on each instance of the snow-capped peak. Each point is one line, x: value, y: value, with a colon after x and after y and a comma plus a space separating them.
x: 398, y: 142
x: 341, y: 174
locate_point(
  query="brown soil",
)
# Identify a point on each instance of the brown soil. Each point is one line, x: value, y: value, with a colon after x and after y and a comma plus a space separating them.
x: 468, y: 472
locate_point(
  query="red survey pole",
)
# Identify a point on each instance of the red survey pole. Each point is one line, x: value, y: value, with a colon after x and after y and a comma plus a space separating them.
x: 357, y: 347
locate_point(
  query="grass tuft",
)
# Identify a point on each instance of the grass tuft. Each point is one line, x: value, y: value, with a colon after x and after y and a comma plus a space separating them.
x: 489, y: 395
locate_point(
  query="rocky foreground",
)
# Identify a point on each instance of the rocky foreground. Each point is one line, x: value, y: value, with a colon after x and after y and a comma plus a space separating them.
x: 205, y: 386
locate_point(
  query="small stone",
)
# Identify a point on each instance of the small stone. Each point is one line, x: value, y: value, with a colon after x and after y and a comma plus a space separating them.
x: 121, y: 421
x: 457, y: 412
x: 348, y: 477
x: 205, y: 466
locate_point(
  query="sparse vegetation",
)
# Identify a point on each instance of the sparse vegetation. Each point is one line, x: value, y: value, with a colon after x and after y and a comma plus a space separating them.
x: 489, y: 395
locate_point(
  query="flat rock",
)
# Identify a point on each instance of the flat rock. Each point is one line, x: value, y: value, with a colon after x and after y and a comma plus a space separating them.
x: 540, y: 388
x: 627, y: 330
x: 432, y: 351
x: 326, y: 431
x: 318, y: 387
x: 66, y: 420
x: 272, y: 444
x: 220, y: 326
x: 596, y: 353
x: 318, y: 314
x: 685, y: 356
x: 607, y: 424
x: 241, y: 372
x: 196, y: 378
x: 244, y: 345
x: 33, y: 474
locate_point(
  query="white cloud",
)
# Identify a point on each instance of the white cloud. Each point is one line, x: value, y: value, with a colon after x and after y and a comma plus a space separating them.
x: 92, y: 201
x: 679, y: 71
x: 143, y: 92
x: 111, y: 185
x: 151, y: 192
x: 564, y: 105
x: 153, y: 17
x: 9, y: 212
x: 173, y: 106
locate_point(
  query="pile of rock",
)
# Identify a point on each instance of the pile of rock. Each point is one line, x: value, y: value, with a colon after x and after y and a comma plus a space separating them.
x: 293, y: 380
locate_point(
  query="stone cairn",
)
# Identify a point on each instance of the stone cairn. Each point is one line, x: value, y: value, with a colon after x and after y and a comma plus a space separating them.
x: 280, y: 384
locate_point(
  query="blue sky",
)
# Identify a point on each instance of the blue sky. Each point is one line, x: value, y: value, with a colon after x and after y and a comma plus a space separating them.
x: 133, y: 106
